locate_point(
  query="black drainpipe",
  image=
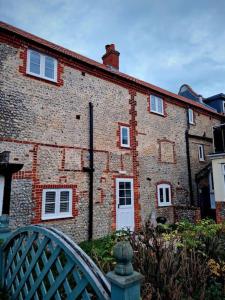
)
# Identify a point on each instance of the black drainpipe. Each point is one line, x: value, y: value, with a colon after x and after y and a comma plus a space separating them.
x: 188, y: 160
x: 90, y: 170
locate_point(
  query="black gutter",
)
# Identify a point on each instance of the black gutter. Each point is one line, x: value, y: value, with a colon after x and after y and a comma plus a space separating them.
x: 188, y: 160
x: 91, y: 174
x: 90, y: 170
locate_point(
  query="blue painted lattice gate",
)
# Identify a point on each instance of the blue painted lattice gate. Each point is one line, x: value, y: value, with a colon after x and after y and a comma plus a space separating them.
x: 42, y: 263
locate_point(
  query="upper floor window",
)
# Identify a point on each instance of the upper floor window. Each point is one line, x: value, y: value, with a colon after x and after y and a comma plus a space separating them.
x: 41, y: 65
x: 56, y: 203
x: 156, y: 105
x: 125, y: 136
x: 190, y: 116
x: 164, y: 194
x: 201, y: 154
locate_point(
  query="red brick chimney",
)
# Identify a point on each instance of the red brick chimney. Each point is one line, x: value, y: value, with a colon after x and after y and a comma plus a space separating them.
x: 111, y: 57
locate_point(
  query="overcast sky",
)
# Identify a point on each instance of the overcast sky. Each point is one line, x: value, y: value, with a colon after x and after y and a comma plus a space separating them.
x: 164, y: 42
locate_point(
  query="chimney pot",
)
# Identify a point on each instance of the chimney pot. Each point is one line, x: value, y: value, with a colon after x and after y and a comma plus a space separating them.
x: 111, y: 57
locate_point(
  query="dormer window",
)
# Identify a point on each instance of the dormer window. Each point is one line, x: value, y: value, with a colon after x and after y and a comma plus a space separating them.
x: 190, y: 116
x: 156, y: 105
x: 42, y: 66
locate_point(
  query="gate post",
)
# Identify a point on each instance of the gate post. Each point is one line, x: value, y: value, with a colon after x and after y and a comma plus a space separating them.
x: 125, y: 282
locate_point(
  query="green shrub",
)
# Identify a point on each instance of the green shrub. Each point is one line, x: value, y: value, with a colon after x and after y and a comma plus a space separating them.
x: 100, y: 250
x: 183, y: 261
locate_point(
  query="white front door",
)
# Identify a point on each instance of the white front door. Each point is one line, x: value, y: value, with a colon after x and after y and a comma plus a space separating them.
x: 124, y: 204
x: 2, y: 184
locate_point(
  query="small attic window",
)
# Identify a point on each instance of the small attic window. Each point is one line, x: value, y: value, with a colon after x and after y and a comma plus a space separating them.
x: 42, y: 66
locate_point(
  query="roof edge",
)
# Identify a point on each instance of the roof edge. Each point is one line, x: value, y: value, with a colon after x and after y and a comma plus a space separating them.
x: 83, y: 59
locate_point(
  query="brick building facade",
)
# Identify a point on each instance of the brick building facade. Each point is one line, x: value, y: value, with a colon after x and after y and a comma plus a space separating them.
x: 146, y: 148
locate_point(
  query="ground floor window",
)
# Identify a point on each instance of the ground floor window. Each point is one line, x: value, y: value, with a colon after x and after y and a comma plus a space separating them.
x: 164, y: 194
x: 56, y: 203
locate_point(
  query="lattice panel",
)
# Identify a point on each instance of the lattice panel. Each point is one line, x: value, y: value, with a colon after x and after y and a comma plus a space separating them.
x: 41, y: 263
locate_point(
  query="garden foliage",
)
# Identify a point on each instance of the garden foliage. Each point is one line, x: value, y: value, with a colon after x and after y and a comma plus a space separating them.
x: 179, y: 262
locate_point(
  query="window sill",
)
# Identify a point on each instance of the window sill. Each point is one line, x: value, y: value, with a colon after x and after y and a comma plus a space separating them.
x: 41, y: 79
x: 165, y: 205
x: 125, y: 147
x: 157, y: 113
x: 50, y: 218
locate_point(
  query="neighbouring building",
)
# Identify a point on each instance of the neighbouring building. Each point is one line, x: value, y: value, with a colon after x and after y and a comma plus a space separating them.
x: 209, y: 180
x: 100, y: 150
x: 218, y: 168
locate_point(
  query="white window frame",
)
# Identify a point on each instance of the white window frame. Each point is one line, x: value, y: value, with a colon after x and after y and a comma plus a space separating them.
x: 57, y: 214
x: 223, y: 106
x: 164, y: 186
x: 201, y: 153
x: 128, y: 137
x: 42, y: 66
x: 157, y: 99
x: 190, y: 116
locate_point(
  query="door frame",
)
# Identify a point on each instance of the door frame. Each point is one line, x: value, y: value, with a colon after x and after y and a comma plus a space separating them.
x: 124, y: 179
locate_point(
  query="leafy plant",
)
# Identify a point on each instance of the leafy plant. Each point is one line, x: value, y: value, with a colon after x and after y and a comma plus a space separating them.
x: 184, y: 261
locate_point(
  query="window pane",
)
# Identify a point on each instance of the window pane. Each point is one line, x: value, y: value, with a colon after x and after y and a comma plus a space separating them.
x: 167, y: 195
x: 49, y: 62
x: 64, y: 201
x: 128, y: 201
x: 121, y: 185
x: 161, y: 194
x: 128, y: 193
x: 190, y: 114
x: 64, y: 206
x: 50, y: 202
x: 160, y: 105
x: 121, y: 193
x: 49, y: 73
x: 128, y: 185
x: 35, y: 58
x: 124, y: 132
x: 153, y: 103
x: 124, y: 140
x: 49, y: 67
x: 122, y: 201
x: 124, y: 136
x: 35, y: 61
